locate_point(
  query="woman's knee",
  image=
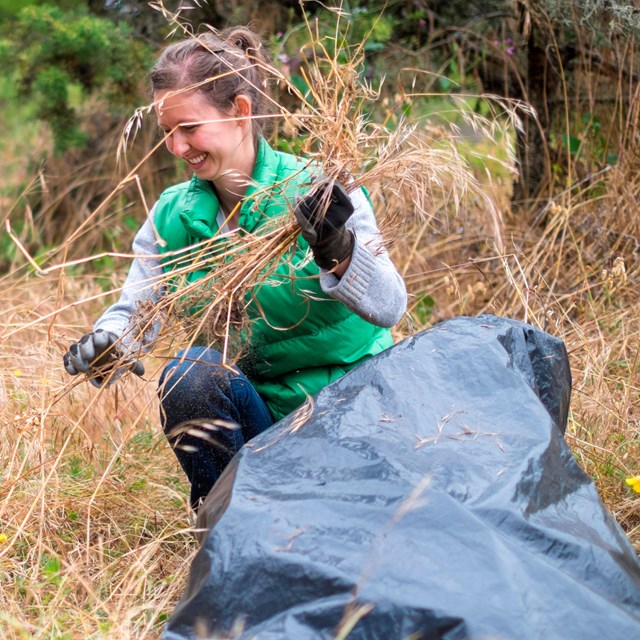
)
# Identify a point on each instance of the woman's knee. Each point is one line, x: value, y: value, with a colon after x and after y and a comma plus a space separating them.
x: 194, y: 378
x: 187, y: 368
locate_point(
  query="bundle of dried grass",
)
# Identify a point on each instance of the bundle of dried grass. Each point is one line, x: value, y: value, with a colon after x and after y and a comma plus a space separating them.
x: 412, y: 169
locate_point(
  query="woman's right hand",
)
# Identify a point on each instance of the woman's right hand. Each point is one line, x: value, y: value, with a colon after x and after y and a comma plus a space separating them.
x: 97, y: 354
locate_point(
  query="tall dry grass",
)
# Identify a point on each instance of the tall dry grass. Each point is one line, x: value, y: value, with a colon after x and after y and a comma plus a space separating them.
x: 95, y: 538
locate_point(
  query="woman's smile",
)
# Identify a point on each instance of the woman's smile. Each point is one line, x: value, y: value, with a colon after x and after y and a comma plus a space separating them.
x: 197, y: 161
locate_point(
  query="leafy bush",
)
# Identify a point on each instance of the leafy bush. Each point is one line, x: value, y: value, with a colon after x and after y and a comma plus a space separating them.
x: 60, y: 58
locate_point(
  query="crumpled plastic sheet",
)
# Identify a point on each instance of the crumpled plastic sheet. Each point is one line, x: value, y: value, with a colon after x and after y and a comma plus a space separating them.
x: 429, y: 494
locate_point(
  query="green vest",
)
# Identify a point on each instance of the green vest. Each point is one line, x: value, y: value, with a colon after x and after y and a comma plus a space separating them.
x: 300, y: 338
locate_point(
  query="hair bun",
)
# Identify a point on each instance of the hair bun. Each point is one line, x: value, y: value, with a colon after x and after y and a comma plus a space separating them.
x: 245, y: 40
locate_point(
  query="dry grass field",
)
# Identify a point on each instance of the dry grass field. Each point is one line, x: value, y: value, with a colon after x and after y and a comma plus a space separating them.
x: 95, y: 527
x: 94, y: 534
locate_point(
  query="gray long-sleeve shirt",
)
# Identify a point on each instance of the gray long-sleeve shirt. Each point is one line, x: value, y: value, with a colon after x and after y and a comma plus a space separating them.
x: 371, y: 287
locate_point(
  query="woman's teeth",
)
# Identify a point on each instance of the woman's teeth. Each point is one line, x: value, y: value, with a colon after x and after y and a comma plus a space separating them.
x: 197, y: 159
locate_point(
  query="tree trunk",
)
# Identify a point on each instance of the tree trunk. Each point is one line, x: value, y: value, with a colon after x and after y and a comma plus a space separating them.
x: 532, y: 143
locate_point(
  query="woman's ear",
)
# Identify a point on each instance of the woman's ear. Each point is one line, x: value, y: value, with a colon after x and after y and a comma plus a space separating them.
x: 242, y: 106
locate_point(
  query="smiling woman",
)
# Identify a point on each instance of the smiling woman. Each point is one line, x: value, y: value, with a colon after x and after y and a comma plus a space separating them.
x: 335, y: 310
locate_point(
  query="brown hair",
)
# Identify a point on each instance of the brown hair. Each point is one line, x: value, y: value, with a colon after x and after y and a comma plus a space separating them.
x: 222, y: 66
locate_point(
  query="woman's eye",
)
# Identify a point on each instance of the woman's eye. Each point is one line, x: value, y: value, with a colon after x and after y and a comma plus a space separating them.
x: 188, y: 127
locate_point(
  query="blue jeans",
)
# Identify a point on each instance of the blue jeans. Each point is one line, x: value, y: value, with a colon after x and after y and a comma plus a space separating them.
x: 208, y: 412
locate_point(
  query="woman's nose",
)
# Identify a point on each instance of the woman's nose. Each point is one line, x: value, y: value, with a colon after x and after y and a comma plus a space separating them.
x: 178, y: 144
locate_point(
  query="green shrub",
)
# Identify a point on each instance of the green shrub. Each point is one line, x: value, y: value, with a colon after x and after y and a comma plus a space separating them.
x: 60, y: 58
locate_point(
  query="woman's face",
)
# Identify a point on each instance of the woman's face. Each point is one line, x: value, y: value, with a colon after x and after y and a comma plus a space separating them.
x: 213, y: 144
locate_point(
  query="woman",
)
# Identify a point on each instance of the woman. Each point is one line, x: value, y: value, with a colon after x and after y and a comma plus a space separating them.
x: 317, y: 318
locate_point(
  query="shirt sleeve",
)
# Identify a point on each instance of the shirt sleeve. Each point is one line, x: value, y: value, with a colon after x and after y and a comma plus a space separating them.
x: 371, y: 286
x: 143, y: 284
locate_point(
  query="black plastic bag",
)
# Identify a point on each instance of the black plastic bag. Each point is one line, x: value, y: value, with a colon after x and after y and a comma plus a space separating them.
x: 430, y: 494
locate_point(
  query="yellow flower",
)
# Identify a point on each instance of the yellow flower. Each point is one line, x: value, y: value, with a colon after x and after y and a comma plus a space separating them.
x: 3, y: 538
x: 634, y: 482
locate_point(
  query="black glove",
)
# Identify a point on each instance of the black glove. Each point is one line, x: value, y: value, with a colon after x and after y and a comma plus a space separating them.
x: 97, y: 354
x: 322, y: 214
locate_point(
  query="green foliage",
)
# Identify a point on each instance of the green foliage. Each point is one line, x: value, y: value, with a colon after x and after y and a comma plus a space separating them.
x: 589, y: 141
x: 50, y: 89
x: 51, y: 568
x: 360, y: 23
x: 77, y: 468
x: 62, y: 57
x: 369, y: 24
x: 13, y: 7
x: 424, y: 309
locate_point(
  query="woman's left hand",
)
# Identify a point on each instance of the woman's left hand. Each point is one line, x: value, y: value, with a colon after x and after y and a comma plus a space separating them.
x: 322, y: 215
